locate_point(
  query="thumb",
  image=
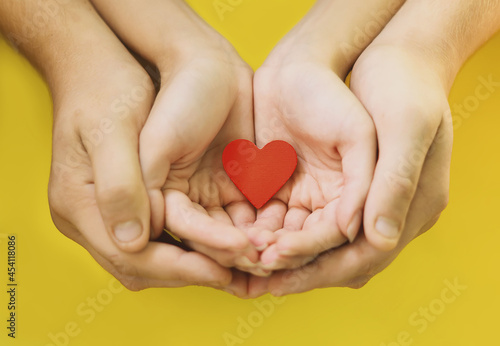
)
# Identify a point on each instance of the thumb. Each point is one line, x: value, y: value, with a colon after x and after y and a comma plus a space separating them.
x: 120, y: 192
x: 402, y: 152
x: 177, y: 132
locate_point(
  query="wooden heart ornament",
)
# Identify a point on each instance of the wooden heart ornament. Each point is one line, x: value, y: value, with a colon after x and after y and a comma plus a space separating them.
x: 259, y: 173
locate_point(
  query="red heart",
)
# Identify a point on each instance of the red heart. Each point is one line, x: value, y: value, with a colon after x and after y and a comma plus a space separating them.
x: 259, y: 173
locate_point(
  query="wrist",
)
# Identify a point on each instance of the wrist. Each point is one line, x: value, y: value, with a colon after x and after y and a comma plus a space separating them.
x: 191, y: 44
x: 163, y: 32
x: 334, y: 34
x: 96, y: 68
x: 80, y: 49
x: 434, y: 57
x: 452, y: 32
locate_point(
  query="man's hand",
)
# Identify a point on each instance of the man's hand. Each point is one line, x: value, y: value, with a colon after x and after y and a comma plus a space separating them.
x: 205, y: 101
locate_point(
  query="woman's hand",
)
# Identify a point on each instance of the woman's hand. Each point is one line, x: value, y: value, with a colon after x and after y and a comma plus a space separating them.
x: 321, y: 207
x: 411, y: 178
x: 300, y: 97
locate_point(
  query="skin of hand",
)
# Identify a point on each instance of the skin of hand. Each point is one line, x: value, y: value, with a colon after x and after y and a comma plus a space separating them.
x: 102, y: 98
x: 301, y: 97
x: 402, y: 79
x: 205, y: 101
x: 309, y: 106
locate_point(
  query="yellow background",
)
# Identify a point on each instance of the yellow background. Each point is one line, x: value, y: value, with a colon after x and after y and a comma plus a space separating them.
x: 56, y: 276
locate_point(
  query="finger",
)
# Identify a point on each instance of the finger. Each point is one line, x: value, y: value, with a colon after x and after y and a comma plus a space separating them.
x: 358, y: 154
x: 226, y: 258
x: 158, y: 265
x: 187, y: 222
x: 163, y: 265
x: 242, y: 214
x: 336, y: 268
x: 295, y: 218
x: 269, y: 219
x: 257, y: 286
x: 120, y: 191
x: 272, y: 260
x: 178, y: 129
x: 320, y: 233
x: 255, y: 270
x: 239, y: 284
x: 403, y: 147
x: 223, y: 257
x: 431, y: 197
x: 220, y: 215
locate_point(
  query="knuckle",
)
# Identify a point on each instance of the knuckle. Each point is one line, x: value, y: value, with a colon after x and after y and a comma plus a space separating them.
x: 441, y: 200
x: 365, y: 129
x: 226, y: 260
x: 239, y: 243
x: 358, y: 282
x: 429, y: 122
x: 321, y: 244
x: 247, y: 72
x: 55, y: 203
x: 56, y: 217
x: 263, y: 80
x: 117, y: 195
x: 64, y: 226
x: 401, y: 184
x: 132, y: 283
x: 122, y: 267
x: 364, y: 268
x: 428, y: 225
x: 60, y: 209
x: 367, y: 269
x: 187, y: 279
x: 429, y: 118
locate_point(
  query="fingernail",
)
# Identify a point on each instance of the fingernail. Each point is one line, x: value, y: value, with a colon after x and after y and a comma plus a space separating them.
x: 353, y: 228
x: 387, y: 227
x: 128, y: 231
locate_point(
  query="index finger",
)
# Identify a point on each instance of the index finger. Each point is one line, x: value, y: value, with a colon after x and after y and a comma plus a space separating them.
x: 158, y: 265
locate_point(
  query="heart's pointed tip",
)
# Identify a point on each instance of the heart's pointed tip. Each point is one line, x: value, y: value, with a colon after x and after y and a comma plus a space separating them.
x: 258, y: 205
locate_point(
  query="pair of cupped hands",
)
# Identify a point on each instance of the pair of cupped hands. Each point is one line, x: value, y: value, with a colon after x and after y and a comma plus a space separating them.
x: 130, y: 160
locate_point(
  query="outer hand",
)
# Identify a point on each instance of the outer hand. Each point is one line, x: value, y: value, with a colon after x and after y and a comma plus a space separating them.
x: 102, y: 98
